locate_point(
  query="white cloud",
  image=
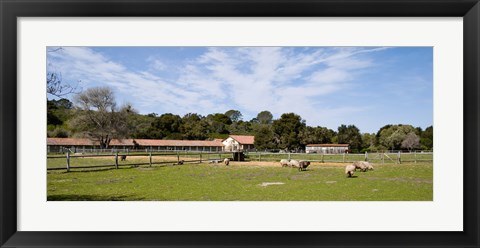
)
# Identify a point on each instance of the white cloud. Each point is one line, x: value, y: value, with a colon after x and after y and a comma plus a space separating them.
x: 251, y: 79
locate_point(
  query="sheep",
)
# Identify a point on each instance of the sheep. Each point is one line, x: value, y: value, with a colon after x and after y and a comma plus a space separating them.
x: 123, y: 157
x: 363, y: 166
x: 368, y: 165
x: 350, y: 169
x: 284, y: 162
x: 226, y: 161
x: 360, y: 165
x: 303, y: 165
x: 294, y: 163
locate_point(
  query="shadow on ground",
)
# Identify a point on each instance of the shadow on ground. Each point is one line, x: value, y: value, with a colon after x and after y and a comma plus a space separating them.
x: 92, y: 198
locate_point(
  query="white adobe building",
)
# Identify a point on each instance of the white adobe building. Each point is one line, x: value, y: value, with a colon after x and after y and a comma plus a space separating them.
x: 237, y: 143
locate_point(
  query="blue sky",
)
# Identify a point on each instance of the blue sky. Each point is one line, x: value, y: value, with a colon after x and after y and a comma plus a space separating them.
x: 327, y: 86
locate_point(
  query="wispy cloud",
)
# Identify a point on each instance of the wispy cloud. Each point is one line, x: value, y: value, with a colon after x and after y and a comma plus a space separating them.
x: 250, y: 79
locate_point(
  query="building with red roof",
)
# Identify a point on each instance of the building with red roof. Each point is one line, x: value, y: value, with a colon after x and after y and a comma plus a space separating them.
x: 236, y: 143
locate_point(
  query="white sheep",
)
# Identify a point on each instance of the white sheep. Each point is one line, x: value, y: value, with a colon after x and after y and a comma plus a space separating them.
x: 226, y: 161
x: 360, y: 165
x: 284, y: 162
x: 294, y: 163
x: 350, y: 169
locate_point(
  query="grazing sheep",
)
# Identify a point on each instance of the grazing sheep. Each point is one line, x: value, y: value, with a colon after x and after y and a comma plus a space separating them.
x: 123, y: 157
x: 303, y: 165
x: 284, y: 162
x: 226, y: 161
x: 350, y: 169
x: 294, y: 163
x: 360, y: 165
x: 368, y: 165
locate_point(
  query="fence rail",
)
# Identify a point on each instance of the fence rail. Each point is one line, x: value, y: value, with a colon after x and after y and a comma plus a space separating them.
x: 76, y: 161
x: 67, y: 161
x: 397, y: 157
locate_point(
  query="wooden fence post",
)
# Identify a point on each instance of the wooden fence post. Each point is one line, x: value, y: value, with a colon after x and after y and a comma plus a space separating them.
x: 178, y: 158
x: 415, y: 156
x: 398, y: 158
x: 116, y: 160
x: 150, y: 156
x: 383, y: 158
x: 366, y: 156
x: 289, y: 156
x: 68, y: 161
x: 200, y: 157
x: 322, y: 158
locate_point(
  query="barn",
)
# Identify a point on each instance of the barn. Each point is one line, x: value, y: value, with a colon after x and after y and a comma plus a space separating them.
x: 82, y: 145
x: 327, y: 148
x: 238, y: 143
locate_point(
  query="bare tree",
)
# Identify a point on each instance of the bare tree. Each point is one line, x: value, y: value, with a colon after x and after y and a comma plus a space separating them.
x: 98, y: 117
x: 55, y: 85
x: 411, y: 141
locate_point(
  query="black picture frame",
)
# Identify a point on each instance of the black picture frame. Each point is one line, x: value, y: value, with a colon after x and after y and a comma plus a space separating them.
x: 10, y: 10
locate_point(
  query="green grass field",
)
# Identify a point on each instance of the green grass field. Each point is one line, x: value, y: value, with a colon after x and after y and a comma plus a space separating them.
x: 241, y: 181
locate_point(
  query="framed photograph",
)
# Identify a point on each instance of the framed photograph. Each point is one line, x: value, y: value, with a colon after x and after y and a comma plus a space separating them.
x: 223, y: 123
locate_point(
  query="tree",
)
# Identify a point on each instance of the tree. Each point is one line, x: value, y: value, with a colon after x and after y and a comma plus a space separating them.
x: 218, y: 124
x: 426, y: 138
x: 194, y: 127
x: 411, y: 141
x: 166, y: 126
x: 55, y: 85
x: 368, y: 142
x: 264, y: 138
x: 350, y: 135
x: 287, y: 130
x: 316, y: 135
x: 264, y: 117
x: 234, y: 115
x: 98, y: 118
x: 391, y: 136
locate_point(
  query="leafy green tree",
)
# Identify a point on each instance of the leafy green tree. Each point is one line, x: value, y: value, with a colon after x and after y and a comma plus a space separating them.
x: 264, y: 117
x: 194, y: 127
x: 316, y: 135
x: 264, y: 138
x: 426, y: 138
x: 392, y: 136
x: 287, y: 131
x: 218, y: 124
x: 368, y: 142
x: 241, y: 127
x: 234, y: 115
x: 166, y: 126
x: 350, y: 135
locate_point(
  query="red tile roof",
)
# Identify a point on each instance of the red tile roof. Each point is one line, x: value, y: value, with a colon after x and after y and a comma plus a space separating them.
x: 328, y: 145
x: 243, y: 139
x: 129, y: 142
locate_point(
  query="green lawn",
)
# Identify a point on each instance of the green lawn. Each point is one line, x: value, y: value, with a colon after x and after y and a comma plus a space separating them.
x: 207, y: 182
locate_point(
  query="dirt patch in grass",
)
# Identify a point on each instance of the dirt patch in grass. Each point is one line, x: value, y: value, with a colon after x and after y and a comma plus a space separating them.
x: 272, y: 183
x: 277, y: 164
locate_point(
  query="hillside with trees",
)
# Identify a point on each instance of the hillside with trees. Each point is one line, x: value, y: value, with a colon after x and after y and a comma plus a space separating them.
x: 95, y: 114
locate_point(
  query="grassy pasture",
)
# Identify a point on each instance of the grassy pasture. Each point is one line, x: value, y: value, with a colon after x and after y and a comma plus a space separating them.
x: 241, y: 181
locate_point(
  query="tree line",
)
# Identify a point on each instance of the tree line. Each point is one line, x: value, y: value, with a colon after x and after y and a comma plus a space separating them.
x: 94, y: 114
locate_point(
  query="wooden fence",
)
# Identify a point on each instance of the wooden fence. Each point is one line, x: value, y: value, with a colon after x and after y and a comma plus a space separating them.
x: 199, y: 157
x: 387, y: 157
